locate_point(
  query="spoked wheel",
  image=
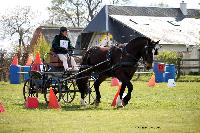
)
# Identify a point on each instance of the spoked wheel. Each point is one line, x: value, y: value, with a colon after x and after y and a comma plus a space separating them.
x: 55, y: 85
x: 90, y: 96
x: 29, y: 89
x: 69, y: 90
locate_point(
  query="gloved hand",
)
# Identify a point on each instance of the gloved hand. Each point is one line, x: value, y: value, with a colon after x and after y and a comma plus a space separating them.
x: 71, y: 47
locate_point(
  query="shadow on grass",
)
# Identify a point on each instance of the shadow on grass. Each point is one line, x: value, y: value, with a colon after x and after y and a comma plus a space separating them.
x: 69, y: 107
x: 40, y: 106
x: 73, y: 107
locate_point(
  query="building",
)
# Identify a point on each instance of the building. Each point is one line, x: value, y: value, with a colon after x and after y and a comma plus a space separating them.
x: 176, y: 28
x: 49, y: 33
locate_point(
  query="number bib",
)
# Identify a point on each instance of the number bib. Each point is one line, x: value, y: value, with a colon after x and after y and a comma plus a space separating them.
x: 64, y: 43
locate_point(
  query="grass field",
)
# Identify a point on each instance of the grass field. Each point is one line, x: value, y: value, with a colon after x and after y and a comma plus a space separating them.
x: 157, y: 109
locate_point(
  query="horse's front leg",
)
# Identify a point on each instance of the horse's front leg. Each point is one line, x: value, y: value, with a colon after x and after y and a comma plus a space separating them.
x: 98, y: 94
x: 128, y: 96
x: 119, y: 100
x: 82, y: 101
x: 83, y: 87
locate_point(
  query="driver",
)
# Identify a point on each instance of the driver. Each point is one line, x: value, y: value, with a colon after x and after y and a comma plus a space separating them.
x: 61, y: 46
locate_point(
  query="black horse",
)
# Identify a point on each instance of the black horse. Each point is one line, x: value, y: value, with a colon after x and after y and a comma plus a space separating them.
x: 117, y: 61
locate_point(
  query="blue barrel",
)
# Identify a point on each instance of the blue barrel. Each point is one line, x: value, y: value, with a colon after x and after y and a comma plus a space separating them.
x: 26, y: 75
x: 170, y: 72
x: 155, y: 67
x: 167, y: 76
x: 159, y: 77
x: 14, y: 75
x: 158, y: 74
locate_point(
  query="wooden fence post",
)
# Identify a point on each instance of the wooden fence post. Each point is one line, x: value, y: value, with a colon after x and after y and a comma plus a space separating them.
x: 199, y: 58
x: 178, y: 67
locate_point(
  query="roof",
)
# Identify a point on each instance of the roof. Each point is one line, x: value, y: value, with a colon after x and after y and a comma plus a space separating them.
x: 99, y: 23
x: 162, y: 23
x: 165, y: 29
x: 151, y: 11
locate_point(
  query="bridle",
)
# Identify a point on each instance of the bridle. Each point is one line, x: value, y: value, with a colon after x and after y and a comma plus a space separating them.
x: 147, y: 49
x: 133, y: 59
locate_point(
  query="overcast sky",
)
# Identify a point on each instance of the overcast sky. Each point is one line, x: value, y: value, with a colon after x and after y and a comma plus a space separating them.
x: 41, y: 6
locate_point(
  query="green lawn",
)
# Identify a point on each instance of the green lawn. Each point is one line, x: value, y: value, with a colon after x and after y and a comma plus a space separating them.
x: 157, y: 109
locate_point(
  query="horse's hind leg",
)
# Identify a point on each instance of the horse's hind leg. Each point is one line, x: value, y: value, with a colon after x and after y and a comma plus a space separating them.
x: 96, y: 87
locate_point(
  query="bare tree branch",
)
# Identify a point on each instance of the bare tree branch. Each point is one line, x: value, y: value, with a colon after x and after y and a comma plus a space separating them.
x: 17, y: 22
x: 80, y: 12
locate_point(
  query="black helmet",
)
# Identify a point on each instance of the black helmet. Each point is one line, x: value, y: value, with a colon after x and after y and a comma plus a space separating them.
x: 62, y: 29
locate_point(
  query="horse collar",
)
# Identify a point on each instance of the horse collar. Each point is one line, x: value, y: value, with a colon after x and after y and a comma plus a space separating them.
x: 126, y: 53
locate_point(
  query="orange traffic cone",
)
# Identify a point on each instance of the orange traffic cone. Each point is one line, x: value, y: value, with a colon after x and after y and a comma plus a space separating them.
x: 31, y: 102
x: 116, y: 95
x: 37, y: 59
x: 114, y: 82
x: 1, y: 108
x: 152, y: 82
x: 53, y: 101
x: 29, y: 60
x: 15, y: 60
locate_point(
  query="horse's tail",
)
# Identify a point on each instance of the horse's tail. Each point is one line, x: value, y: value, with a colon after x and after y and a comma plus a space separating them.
x: 82, y: 81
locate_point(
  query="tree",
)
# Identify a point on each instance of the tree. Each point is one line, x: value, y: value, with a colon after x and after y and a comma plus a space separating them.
x: 121, y: 2
x: 169, y: 57
x: 41, y: 46
x: 161, y: 4
x: 66, y: 11
x: 17, y: 24
x: 92, y: 6
x: 74, y: 13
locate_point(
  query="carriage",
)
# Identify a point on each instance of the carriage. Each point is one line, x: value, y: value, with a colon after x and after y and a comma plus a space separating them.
x: 52, y: 75
x: 97, y: 64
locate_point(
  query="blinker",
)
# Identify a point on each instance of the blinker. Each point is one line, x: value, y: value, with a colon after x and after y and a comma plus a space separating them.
x: 156, y: 51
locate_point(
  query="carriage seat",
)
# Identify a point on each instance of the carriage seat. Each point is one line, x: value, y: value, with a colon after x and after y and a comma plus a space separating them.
x: 54, y: 60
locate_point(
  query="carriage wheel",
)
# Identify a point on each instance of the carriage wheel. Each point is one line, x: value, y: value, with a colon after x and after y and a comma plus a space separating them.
x: 55, y: 84
x: 69, y: 90
x: 29, y: 89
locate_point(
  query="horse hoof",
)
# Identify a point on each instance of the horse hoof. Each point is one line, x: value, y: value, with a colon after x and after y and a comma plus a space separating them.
x: 119, y: 107
x: 83, y: 102
x: 96, y: 102
x: 120, y: 103
x: 126, y: 100
x: 92, y: 103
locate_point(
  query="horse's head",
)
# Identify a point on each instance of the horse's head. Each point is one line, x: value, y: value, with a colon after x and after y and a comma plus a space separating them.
x: 149, y: 49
